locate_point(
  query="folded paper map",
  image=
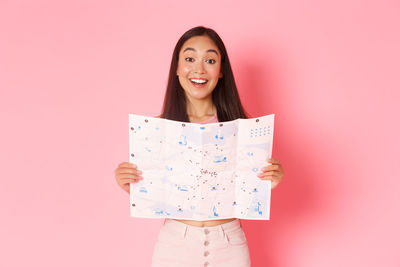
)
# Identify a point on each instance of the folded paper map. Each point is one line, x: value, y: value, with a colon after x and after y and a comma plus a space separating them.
x: 200, y: 171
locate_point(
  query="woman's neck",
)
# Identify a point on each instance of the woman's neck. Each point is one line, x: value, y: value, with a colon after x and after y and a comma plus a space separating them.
x: 200, y: 110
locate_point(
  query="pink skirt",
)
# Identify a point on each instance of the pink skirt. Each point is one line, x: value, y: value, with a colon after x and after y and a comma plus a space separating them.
x: 182, y: 245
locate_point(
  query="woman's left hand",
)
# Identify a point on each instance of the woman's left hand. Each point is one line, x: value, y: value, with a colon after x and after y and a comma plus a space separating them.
x: 273, y: 172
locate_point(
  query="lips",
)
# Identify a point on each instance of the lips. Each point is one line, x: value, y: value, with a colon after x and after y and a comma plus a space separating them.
x: 198, y: 83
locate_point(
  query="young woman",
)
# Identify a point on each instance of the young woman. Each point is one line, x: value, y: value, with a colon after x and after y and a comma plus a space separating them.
x: 201, y: 89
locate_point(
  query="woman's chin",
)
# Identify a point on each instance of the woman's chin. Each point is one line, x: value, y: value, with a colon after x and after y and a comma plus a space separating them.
x: 200, y: 96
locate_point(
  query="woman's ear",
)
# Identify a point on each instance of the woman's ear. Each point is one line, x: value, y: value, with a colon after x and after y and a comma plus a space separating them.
x: 220, y: 75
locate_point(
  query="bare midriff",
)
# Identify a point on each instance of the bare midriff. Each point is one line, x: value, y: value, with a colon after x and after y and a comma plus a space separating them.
x: 206, y: 223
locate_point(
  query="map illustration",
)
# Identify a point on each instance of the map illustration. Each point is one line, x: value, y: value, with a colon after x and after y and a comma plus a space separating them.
x: 200, y: 171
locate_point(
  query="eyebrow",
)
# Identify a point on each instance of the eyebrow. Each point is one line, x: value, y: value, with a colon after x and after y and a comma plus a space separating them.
x: 192, y: 49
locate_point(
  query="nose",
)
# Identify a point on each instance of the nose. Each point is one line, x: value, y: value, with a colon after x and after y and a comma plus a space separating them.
x: 199, y: 67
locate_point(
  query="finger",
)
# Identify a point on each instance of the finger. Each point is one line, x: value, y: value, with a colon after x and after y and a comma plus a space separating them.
x: 124, y: 170
x: 127, y: 164
x: 270, y: 173
x: 273, y: 178
x: 269, y: 177
x: 273, y: 161
x: 127, y: 171
x: 270, y: 168
x: 135, y: 181
x: 129, y: 180
x: 130, y: 176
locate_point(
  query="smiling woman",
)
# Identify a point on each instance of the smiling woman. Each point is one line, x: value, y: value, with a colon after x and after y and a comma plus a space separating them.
x: 200, y: 56
x: 201, y: 89
x: 199, y: 69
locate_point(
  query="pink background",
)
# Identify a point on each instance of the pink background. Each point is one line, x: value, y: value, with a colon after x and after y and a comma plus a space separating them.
x: 71, y: 71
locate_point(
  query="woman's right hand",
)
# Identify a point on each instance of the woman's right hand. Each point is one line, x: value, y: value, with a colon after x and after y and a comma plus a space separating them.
x: 127, y: 173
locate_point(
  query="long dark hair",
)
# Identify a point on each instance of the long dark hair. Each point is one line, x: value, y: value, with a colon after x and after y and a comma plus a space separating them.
x: 225, y: 95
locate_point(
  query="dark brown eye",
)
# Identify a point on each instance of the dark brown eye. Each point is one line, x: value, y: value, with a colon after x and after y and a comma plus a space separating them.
x: 190, y: 59
x: 211, y: 61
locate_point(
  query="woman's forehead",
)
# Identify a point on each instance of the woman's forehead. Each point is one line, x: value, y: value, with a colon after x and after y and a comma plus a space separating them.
x: 201, y: 43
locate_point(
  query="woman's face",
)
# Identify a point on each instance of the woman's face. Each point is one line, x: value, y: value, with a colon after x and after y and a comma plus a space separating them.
x: 199, y: 67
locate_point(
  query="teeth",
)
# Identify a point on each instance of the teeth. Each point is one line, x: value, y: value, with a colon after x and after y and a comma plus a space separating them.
x: 198, y: 81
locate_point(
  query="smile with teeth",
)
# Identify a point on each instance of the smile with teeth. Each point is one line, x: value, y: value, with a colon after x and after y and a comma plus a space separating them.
x: 198, y: 81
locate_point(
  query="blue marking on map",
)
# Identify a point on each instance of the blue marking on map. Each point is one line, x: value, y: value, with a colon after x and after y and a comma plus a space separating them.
x: 213, y: 188
x: 202, y: 128
x: 255, y: 169
x: 182, y: 188
x: 219, y: 159
x: 143, y: 190
x: 258, y: 208
x: 168, y: 168
x: 161, y: 212
x: 219, y: 137
x: 184, y: 141
x: 213, y: 136
x: 147, y: 149
x: 215, y: 213
x: 250, y: 154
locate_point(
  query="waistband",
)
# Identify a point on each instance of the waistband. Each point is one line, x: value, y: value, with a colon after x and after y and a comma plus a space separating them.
x: 183, y: 229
